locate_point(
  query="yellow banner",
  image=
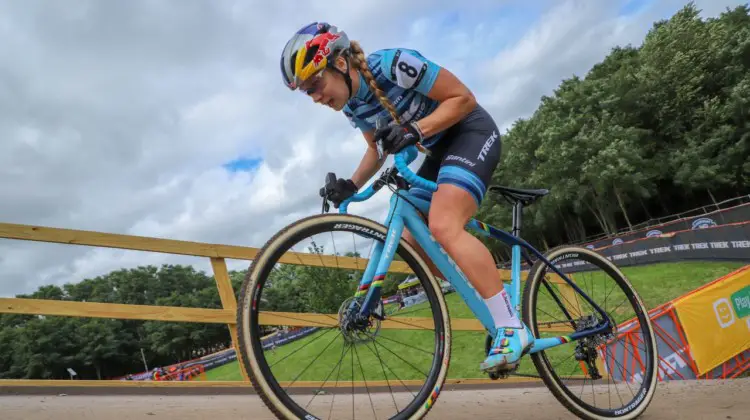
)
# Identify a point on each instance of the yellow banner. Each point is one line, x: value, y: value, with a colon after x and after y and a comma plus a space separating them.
x: 716, y: 320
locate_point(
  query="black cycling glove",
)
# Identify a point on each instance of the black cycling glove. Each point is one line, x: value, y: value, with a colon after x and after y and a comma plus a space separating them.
x: 396, y: 137
x: 338, y: 191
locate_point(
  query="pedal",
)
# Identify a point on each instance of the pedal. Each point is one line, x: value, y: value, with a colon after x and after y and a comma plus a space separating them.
x: 502, y: 373
x: 498, y: 375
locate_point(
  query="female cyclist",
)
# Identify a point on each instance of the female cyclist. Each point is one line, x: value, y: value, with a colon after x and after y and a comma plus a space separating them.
x: 428, y: 105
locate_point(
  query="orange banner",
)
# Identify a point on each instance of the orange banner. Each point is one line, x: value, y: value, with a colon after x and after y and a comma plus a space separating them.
x: 716, y: 319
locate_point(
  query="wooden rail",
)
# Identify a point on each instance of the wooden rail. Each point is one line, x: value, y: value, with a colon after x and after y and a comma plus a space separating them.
x: 217, y: 254
x: 216, y: 316
x: 115, y: 311
x: 197, y: 249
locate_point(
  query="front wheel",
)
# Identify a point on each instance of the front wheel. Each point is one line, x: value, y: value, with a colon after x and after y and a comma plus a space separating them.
x: 296, y: 342
x: 610, y: 375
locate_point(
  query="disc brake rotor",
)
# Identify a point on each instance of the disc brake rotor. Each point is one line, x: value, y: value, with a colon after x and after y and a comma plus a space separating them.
x: 356, y: 330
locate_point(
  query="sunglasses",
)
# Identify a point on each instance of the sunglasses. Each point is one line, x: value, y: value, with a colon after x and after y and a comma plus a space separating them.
x: 314, y: 84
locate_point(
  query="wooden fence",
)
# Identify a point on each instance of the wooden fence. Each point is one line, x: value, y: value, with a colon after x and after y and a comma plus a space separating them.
x: 217, y: 254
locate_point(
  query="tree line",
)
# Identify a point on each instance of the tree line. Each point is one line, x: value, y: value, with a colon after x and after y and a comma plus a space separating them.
x: 43, y: 347
x: 650, y: 131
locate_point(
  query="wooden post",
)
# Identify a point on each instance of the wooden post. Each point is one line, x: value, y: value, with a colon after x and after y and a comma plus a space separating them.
x: 228, y: 302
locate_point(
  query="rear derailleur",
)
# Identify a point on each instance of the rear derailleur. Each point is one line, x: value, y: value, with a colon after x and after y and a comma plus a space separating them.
x: 585, y: 350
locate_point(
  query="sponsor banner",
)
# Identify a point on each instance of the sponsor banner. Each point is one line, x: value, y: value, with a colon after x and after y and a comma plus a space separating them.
x: 283, y: 338
x: 143, y: 376
x: 219, y: 361
x: 716, y: 319
x: 721, y: 243
x: 731, y: 215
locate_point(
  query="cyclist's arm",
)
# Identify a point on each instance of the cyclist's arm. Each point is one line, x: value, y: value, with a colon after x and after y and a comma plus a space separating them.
x: 410, y: 70
x: 456, y: 101
x: 369, y: 164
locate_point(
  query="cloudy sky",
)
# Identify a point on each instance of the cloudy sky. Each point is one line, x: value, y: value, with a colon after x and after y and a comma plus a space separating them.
x: 169, y: 119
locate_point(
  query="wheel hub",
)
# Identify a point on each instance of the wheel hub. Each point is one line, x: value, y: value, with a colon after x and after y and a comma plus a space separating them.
x: 356, y: 328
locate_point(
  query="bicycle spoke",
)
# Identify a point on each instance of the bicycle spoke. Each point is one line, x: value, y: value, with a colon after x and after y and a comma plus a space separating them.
x: 408, y: 345
x: 365, y: 380
x: 306, y: 320
x: 375, y: 344
x: 401, y: 358
x: 409, y: 324
x: 330, y: 411
x: 343, y: 352
x: 297, y: 350
x: 383, y: 365
x: 316, y: 358
x: 606, y: 358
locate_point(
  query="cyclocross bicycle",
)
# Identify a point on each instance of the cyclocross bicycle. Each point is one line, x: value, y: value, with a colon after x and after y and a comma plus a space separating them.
x: 329, y: 311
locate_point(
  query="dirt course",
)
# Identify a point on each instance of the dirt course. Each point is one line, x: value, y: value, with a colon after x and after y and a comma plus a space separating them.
x: 684, y: 400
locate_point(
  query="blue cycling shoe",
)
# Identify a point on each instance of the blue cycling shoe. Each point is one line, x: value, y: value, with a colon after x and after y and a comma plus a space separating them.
x: 509, y: 346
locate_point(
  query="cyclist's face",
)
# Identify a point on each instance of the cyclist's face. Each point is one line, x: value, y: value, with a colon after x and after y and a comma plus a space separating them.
x: 327, y: 88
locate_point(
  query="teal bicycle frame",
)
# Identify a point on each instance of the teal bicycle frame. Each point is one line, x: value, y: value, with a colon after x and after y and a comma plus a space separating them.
x: 402, y: 214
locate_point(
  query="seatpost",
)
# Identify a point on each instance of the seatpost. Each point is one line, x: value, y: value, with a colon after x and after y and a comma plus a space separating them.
x: 517, y: 212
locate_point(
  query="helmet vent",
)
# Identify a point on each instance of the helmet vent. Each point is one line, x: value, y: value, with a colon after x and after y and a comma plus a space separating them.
x: 311, y: 53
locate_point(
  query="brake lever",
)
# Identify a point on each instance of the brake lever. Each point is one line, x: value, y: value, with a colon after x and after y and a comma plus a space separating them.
x: 330, y: 179
x: 379, y: 123
x: 379, y: 148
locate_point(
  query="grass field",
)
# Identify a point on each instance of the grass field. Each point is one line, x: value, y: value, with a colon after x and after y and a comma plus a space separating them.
x: 656, y: 284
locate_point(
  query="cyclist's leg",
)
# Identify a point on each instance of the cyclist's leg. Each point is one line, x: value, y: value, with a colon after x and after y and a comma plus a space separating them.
x: 428, y: 170
x: 472, y: 152
x: 465, y: 172
x: 451, y: 208
x: 457, y: 203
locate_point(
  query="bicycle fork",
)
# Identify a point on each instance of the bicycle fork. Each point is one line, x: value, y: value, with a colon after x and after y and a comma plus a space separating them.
x: 378, y: 264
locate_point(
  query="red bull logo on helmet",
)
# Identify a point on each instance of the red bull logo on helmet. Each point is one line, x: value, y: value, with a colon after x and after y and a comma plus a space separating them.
x: 322, y: 41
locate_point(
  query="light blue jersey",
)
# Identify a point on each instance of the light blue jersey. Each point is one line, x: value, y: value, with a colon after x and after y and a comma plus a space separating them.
x: 406, y: 77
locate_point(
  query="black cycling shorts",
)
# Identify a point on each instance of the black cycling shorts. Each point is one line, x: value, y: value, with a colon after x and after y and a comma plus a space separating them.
x: 466, y: 156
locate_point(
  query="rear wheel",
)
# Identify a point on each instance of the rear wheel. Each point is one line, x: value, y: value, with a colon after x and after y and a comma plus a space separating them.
x: 612, y: 375
x: 389, y: 368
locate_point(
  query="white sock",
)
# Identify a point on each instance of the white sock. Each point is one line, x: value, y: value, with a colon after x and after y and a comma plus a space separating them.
x: 502, y: 311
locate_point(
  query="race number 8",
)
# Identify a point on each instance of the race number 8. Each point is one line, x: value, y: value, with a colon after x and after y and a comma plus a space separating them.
x: 409, y: 69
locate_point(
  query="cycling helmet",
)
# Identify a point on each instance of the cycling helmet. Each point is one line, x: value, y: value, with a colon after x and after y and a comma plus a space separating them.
x: 310, y: 50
